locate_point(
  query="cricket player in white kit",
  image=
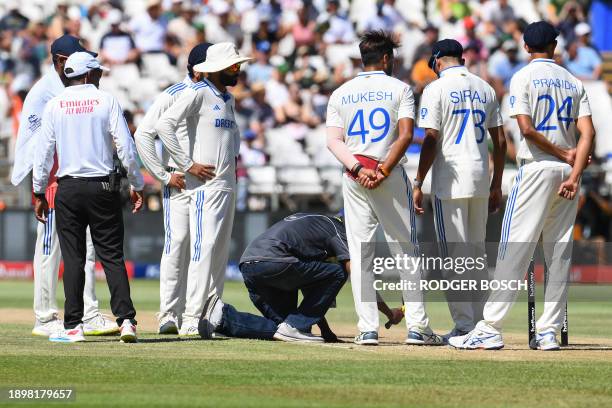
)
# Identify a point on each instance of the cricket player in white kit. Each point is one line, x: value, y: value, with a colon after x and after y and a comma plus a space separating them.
x: 552, y: 108
x: 47, y: 254
x: 370, y: 120
x: 175, y: 256
x: 457, y: 110
x: 208, y: 110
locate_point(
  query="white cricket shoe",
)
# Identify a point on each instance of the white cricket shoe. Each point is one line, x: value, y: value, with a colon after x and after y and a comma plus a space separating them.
x: 189, y: 328
x: 47, y: 328
x: 167, y: 324
x: 128, y: 332
x: 286, y: 332
x: 68, y: 335
x: 369, y: 338
x: 483, y: 337
x: 100, y: 325
x: 547, y: 341
x: 423, y: 337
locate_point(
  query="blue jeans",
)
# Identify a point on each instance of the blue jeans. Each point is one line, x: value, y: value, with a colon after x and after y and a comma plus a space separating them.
x: 273, y: 288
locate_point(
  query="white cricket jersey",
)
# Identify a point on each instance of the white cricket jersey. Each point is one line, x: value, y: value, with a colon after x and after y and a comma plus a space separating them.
x: 146, y: 133
x: 554, y: 99
x: 368, y: 108
x: 213, y: 134
x: 81, y: 124
x: 30, y: 122
x: 461, y: 106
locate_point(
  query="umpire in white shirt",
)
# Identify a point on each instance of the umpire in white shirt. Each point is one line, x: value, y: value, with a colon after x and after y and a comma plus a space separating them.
x: 80, y: 125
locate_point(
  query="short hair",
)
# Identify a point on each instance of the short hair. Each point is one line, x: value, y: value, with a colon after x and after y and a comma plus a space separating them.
x: 375, y: 44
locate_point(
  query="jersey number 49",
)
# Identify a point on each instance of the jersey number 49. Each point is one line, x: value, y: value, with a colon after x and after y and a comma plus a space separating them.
x: 358, y: 126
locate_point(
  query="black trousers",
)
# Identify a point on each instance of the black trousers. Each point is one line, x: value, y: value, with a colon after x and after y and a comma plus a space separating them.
x: 80, y: 203
x: 273, y: 288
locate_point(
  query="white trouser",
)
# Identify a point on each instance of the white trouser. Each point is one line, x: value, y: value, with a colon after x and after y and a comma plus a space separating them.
x: 535, y: 209
x: 389, y: 205
x: 47, y: 256
x: 175, y: 255
x: 211, y: 217
x: 462, y: 220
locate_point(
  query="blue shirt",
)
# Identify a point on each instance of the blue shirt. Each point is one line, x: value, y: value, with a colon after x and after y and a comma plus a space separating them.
x: 585, y: 63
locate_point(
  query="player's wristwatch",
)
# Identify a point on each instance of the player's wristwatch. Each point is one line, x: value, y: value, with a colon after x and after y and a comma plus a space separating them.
x: 417, y: 183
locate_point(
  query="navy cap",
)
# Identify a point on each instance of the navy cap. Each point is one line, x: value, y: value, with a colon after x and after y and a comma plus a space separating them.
x: 445, y: 48
x: 198, y: 54
x: 67, y: 45
x: 540, y: 34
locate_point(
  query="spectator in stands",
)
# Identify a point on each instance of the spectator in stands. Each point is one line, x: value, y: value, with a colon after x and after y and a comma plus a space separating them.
x: 7, y: 60
x: 594, y: 211
x: 503, y: 64
x: 495, y: 13
x: 183, y: 25
x: 217, y: 22
x: 259, y: 113
x: 339, y: 28
x: 571, y: 15
x: 260, y: 70
x: 249, y: 153
x: 386, y: 17
x: 13, y: 20
x: 423, y: 51
x: 149, y: 28
x: 117, y: 46
x: 583, y: 61
x: 303, y: 31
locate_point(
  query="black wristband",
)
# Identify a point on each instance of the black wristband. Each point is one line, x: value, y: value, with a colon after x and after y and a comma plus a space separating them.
x: 40, y: 196
x: 355, y: 169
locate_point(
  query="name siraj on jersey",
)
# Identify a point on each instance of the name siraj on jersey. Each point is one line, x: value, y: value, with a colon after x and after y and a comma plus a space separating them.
x: 367, y: 97
x: 467, y: 95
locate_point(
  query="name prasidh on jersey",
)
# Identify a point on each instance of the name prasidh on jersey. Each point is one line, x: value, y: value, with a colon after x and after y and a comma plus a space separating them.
x: 554, y: 83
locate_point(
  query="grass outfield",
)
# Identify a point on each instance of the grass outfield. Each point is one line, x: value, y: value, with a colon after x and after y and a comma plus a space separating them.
x: 164, y: 371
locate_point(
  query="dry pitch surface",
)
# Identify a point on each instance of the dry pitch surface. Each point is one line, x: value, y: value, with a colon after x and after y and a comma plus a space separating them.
x: 165, y: 371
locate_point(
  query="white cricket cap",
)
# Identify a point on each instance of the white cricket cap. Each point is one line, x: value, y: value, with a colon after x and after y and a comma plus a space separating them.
x: 81, y: 63
x: 220, y: 56
x: 582, y: 29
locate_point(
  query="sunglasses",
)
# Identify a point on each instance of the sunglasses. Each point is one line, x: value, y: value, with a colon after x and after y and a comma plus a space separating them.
x: 234, y: 68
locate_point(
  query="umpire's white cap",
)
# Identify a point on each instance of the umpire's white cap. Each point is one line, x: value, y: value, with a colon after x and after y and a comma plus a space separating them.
x: 81, y: 63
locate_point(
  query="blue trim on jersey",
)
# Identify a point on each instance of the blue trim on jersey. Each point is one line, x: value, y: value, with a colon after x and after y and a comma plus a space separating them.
x: 455, y: 66
x: 225, y: 96
x: 441, y: 231
x: 176, y: 88
x: 48, y: 234
x: 413, y: 232
x: 197, y: 246
x: 543, y: 60
x: 199, y: 85
x: 371, y: 73
x: 166, y: 204
x: 508, y: 213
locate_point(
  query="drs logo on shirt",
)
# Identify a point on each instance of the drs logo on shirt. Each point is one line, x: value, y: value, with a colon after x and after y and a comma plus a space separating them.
x: 376, y: 116
x: 225, y: 123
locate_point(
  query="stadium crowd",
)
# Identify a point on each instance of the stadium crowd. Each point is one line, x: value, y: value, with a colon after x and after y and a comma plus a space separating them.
x: 303, y: 49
